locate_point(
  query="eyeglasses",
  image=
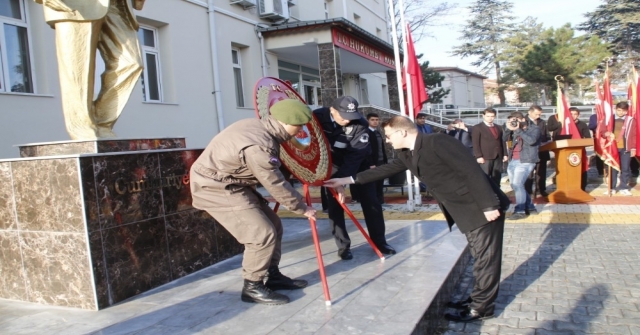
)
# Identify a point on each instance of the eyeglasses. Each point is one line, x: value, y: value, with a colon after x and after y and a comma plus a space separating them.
x: 389, y: 136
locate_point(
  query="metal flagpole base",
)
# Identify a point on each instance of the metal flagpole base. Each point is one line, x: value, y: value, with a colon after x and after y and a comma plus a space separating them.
x: 410, y: 206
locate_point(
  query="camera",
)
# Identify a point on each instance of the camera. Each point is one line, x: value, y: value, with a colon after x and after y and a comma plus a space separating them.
x: 513, y: 123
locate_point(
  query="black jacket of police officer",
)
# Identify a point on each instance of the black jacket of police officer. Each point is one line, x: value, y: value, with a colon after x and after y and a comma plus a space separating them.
x: 346, y: 130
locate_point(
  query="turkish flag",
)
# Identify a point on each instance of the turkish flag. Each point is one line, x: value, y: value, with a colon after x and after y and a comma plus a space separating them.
x: 606, y: 121
x: 412, y: 68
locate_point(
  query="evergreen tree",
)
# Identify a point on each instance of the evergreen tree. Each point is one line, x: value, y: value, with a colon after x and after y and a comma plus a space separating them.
x: 431, y: 81
x: 485, y: 34
x: 617, y: 22
x: 574, y: 58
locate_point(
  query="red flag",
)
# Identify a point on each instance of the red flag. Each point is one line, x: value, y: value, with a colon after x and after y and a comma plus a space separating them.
x: 568, y: 125
x: 418, y: 91
x: 609, y: 146
x: 634, y: 105
x: 599, y: 116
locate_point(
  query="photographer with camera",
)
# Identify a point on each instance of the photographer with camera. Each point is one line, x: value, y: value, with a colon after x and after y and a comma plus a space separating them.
x: 523, y: 156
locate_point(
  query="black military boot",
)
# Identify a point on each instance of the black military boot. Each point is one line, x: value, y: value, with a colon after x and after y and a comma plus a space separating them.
x: 278, y: 281
x: 255, y: 291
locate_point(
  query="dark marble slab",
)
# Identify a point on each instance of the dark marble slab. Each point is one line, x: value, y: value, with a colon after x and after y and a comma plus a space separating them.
x: 12, y: 277
x: 432, y: 321
x: 99, y: 267
x: 128, y: 188
x: 99, y: 146
x: 136, y: 258
x: 191, y: 237
x: 139, y: 144
x: 174, y: 172
x: 47, y: 195
x: 57, y: 269
x: 7, y: 204
x: 89, y: 194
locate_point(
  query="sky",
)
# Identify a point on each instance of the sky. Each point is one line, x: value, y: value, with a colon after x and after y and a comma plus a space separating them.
x: 551, y: 13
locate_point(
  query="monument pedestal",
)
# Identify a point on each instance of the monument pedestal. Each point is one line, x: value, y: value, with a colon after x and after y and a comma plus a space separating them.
x: 88, y: 224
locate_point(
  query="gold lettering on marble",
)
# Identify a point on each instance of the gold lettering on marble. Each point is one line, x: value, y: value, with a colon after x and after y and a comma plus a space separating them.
x: 173, y: 181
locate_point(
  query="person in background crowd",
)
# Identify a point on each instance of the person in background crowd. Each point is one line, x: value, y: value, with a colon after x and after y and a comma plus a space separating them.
x: 466, y: 195
x: 489, y: 149
x: 624, y: 133
x: 462, y: 134
x: 583, y: 129
x: 347, y: 132
x: 533, y: 116
x: 421, y: 124
x: 523, y: 156
x: 223, y: 183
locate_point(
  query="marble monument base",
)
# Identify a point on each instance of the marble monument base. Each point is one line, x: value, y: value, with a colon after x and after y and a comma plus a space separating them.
x: 88, y: 224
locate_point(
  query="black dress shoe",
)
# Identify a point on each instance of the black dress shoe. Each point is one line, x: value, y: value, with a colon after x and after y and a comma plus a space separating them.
x: 544, y: 194
x: 278, y: 281
x: 257, y: 292
x: 467, y: 315
x: 386, y: 249
x: 462, y: 304
x: 345, y: 254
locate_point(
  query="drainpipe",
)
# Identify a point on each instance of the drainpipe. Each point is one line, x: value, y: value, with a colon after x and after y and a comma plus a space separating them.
x: 215, y: 66
x: 263, y: 56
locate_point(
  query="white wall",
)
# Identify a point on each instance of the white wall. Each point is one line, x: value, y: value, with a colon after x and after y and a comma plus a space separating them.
x: 189, y: 107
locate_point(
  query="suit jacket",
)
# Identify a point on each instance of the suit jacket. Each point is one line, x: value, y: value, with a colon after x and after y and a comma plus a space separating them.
x: 86, y: 11
x: 544, y: 136
x: 373, y: 139
x: 463, y: 191
x: 485, y: 145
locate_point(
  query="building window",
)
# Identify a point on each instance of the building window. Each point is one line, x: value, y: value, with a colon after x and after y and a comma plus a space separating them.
x: 326, y: 10
x: 152, y: 77
x: 15, y: 60
x: 237, y: 76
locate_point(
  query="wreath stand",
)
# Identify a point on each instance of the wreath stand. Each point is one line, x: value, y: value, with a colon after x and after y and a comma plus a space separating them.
x: 316, y: 240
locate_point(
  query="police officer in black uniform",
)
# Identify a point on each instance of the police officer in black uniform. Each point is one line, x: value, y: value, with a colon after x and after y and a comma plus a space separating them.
x: 346, y: 130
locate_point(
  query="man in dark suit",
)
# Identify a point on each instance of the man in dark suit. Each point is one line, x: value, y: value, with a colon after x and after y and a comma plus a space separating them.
x: 378, y: 151
x: 346, y: 131
x: 488, y: 148
x: 533, y: 117
x: 466, y: 196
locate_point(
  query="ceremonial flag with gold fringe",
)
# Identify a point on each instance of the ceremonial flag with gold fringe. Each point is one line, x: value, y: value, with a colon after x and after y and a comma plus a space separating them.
x: 608, y: 146
x: 568, y: 125
x: 634, y: 104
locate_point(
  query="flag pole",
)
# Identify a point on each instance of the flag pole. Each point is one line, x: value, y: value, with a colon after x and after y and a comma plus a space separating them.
x: 417, y: 197
x: 396, y: 54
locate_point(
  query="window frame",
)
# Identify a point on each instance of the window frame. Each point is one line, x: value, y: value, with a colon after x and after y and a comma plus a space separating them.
x: 238, y: 66
x: 4, y: 70
x: 155, y: 50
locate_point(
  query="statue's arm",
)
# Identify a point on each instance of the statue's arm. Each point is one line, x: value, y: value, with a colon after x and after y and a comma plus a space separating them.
x: 56, y: 5
x: 137, y: 4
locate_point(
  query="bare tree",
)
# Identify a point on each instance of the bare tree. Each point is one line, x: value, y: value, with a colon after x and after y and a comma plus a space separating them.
x: 421, y: 15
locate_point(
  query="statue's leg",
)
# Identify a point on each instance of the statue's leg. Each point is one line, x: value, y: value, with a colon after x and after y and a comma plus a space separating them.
x: 118, y: 45
x: 76, y: 44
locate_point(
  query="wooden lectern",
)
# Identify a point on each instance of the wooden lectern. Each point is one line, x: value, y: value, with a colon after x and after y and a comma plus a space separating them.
x: 569, y: 160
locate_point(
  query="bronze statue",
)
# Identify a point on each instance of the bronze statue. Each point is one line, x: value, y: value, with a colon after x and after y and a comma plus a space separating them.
x: 82, y: 26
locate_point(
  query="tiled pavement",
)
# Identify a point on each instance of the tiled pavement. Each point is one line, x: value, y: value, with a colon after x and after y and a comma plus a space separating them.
x: 564, y: 279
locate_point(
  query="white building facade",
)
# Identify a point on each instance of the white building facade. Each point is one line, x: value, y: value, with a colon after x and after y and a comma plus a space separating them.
x: 202, y: 59
x: 467, y: 89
